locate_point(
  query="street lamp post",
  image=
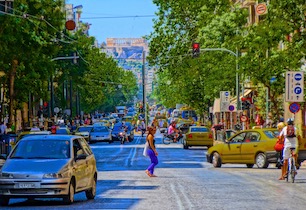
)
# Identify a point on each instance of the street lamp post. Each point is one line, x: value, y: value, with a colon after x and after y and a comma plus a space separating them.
x: 237, y: 75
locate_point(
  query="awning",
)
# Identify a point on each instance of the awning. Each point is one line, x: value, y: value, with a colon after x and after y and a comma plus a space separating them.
x: 217, y: 106
x: 234, y: 99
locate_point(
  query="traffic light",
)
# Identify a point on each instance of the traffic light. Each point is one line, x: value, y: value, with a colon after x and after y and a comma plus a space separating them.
x: 195, y: 50
x: 75, y: 58
x: 246, y: 105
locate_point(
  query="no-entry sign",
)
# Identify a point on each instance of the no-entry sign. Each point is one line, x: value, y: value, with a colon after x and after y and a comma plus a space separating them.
x: 261, y: 9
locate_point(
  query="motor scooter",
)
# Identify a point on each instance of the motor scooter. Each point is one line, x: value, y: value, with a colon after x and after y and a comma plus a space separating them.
x: 121, y: 137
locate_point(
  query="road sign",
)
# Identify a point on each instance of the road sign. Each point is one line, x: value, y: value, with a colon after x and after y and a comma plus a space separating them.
x: 231, y: 108
x: 224, y: 100
x: 294, y: 86
x: 56, y: 110
x: 261, y: 9
x: 294, y: 107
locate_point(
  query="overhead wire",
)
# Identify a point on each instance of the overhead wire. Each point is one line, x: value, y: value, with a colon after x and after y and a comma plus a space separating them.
x: 25, y: 16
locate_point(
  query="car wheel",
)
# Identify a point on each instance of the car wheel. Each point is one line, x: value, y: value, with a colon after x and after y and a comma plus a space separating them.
x: 216, y: 160
x: 4, y: 201
x: 90, y: 194
x: 261, y: 160
x: 131, y: 138
x: 249, y: 165
x: 68, y: 199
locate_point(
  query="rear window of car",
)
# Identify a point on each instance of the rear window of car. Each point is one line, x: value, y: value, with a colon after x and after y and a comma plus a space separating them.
x: 100, y: 129
x: 61, y: 131
x: 199, y: 130
x: 82, y: 129
x: 272, y: 134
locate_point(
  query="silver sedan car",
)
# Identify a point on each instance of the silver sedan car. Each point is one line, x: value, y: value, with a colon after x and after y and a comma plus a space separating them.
x: 49, y: 166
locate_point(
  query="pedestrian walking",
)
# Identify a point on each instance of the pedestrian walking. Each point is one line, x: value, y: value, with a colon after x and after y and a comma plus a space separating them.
x: 151, y: 151
x: 2, y: 128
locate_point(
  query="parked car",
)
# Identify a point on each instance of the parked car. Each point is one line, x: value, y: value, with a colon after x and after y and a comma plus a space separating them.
x: 49, y: 166
x: 254, y: 146
x: 100, y: 133
x: 198, y: 136
x: 83, y: 131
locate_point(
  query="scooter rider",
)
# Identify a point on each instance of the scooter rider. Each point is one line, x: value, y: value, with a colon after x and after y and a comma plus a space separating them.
x: 172, y: 131
x: 125, y: 128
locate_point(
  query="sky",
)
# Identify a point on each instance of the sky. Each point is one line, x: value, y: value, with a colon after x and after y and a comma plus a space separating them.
x: 103, y: 15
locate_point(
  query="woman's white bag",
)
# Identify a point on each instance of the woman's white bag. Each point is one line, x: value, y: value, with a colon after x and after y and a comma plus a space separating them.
x: 145, y: 149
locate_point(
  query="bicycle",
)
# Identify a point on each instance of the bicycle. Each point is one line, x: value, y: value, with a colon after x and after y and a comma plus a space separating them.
x: 291, y: 167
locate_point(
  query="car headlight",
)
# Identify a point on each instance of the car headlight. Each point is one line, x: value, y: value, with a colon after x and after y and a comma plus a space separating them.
x: 6, y: 176
x: 52, y: 176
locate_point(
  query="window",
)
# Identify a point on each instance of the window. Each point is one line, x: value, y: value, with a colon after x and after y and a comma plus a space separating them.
x: 85, y: 146
x: 239, y: 138
x: 199, y: 130
x: 252, y: 137
x: 77, y: 148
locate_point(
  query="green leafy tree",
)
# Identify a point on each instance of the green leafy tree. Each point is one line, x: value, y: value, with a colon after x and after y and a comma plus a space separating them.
x: 26, y: 47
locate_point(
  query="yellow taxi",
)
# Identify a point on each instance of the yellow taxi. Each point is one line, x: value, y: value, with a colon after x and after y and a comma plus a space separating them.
x: 254, y: 146
x: 198, y: 136
x: 302, y: 147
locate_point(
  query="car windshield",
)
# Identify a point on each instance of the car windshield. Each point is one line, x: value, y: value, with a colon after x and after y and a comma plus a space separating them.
x: 84, y: 129
x: 272, y: 134
x: 199, y: 130
x: 41, y: 149
x: 100, y: 129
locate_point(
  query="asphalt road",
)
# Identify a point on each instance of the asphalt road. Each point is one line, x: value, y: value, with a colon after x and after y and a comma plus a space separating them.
x: 185, y: 181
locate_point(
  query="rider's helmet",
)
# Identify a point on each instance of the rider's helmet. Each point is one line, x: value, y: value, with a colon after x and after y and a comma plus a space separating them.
x: 290, y: 121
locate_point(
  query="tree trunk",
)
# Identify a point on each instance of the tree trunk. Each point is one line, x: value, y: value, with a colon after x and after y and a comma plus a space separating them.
x: 11, y: 90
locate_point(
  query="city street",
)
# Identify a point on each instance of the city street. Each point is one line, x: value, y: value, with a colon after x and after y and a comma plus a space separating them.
x: 185, y: 181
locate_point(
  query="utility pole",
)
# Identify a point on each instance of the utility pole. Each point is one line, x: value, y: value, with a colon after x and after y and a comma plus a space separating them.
x: 144, y: 86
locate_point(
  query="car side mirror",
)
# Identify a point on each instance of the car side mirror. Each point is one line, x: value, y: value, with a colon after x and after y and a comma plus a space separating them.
x: 81, y: 157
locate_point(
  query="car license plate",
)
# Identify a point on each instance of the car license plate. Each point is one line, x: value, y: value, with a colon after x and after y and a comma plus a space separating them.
x: 27, y: 185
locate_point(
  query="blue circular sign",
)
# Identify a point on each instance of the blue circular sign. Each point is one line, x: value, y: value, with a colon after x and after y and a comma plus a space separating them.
x: 231, y: 108
x: 226, y: 93
x: 297, y: 90
x: 298, y: 76
x: 294, y: 108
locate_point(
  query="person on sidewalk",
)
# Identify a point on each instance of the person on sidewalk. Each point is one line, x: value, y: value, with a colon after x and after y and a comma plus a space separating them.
x: 151, y: 151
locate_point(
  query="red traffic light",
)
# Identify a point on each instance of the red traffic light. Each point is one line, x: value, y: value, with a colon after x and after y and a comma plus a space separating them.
x: 195, y: 49
x: 196, y: 46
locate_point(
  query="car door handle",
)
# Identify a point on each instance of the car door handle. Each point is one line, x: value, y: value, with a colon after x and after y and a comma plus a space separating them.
x: 238, y: 146
x: 255, y: 145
